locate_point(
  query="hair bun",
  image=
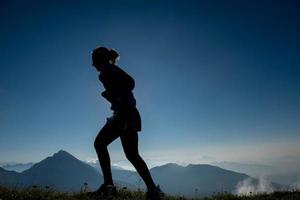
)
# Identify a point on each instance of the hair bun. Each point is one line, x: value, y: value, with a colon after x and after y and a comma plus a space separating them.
x: 104, y: 55
x: 113, y: 55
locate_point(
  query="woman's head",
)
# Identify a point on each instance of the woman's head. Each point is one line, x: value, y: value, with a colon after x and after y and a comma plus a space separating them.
x: 103, y: 55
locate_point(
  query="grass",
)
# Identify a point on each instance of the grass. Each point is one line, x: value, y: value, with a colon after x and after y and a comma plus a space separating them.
x: 45, y: 193
x: 284, y: 195
x: 41, y: 193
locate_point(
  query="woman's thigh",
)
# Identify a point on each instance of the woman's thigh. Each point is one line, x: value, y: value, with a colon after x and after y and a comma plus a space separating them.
x: 129, y: 141
x: 109, y: 132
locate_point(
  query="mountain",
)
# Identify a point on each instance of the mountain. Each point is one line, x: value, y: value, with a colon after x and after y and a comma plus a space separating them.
x: 199, y: 180
x: 18, y: 167
x: 95, y: 165
x: 194, y: 180
x: 189, y: 181
x: 61, y: 171
x: 64, y: 172
x: 8, y: 178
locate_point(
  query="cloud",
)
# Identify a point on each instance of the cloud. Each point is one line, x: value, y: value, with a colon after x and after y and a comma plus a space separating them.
x: 253, y: 186
x: 91, y: 160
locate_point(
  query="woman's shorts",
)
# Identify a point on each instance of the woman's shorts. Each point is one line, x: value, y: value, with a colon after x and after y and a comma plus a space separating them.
x: 125, y: 120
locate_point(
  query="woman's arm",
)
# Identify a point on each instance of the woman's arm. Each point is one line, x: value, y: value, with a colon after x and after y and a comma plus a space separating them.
x: 118, y: 86
x: 123, y: 82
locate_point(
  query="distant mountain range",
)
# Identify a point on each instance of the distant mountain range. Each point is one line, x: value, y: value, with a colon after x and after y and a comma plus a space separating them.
x: 18, y: 167
x: 202, y: 179
x: 64, y: 172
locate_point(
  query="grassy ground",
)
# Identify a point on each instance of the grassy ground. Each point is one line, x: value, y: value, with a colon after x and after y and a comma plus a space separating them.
x: 37, y: 193
x: 274, y: 196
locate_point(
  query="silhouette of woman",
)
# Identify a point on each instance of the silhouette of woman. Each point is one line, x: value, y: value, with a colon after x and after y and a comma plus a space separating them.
x: 124, y: 123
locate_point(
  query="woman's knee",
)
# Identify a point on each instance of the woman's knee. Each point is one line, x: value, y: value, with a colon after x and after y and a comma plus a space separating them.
x: 99, y: 144
x: 132, y: 156
x: 101, y: 139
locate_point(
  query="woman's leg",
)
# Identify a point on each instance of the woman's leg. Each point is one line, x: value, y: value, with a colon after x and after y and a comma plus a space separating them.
x: 130, y: 145
x: 106, y: 136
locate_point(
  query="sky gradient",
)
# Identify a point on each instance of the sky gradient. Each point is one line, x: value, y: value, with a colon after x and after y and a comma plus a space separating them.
x: 215, y: 80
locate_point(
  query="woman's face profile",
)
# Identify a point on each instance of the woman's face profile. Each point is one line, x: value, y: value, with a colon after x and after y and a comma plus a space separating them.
x: 96, y: 64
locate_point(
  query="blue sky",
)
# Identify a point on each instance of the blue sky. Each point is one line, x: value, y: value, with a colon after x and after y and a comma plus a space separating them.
x: 215, y: 80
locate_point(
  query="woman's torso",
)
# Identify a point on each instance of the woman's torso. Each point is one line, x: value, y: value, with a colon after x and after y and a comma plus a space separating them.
x: 118, y: 87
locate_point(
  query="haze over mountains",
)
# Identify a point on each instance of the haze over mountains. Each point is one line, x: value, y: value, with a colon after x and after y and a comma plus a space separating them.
x: 18, y: 167
x: 282, y: 175
x: 64, y: 172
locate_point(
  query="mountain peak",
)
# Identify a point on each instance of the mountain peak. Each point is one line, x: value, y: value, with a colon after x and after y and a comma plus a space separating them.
x: 171, y: 165
x: 167, y: 166
x: 63, y: 171
x: 199, y: 165
x: 62, y: 153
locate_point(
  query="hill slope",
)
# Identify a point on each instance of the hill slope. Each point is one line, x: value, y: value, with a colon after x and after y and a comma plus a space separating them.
x: 8, y: 178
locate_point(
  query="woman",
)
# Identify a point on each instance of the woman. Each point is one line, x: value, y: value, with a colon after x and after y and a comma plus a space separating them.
x: 124, y: 123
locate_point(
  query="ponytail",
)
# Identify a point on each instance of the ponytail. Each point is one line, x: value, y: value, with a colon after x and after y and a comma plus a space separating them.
x: 113, y: 55
x: 104, y: 55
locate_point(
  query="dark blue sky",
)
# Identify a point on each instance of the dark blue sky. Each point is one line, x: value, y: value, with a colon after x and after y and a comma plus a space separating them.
x: 210, y: 75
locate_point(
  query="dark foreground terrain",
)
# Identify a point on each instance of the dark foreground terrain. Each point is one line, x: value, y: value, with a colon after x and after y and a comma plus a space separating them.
x: 38, y: 193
